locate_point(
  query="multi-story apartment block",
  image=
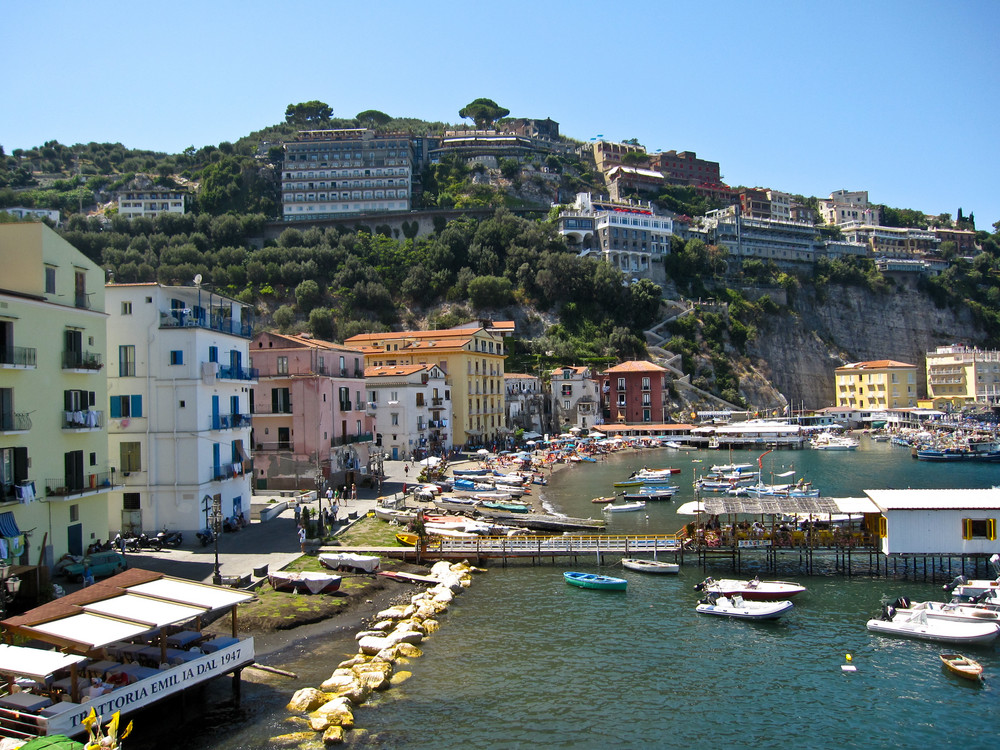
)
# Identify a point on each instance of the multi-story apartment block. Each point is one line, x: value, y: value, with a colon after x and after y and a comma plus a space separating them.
x: 608, y: 154
x: 575, y: 397
x: 633, y: 393
x: 309, y: 413
x: 958, y: 375
x: 179, y: 386
x: 964, y: 239
x: 626, y: 234
x: 845, y: 206
x: 780, y: 241
x: 879, y: 384
x: 472, y: 359
x: 526, y: 403
x: 142, y: 197
x: 755, y: 203
x: 624, y: 181
x: 332, y: 173
x: 685, y: 168
x: 411, y: 405
x: 892, y: 242
x: 55, y: 477
x: 781, y: 205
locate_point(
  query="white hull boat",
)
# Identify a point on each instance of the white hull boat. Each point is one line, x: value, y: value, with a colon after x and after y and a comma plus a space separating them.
x: 752, y: 590
x: 625, y: 507
x: 952, y: 611
x: 650, y: 566
x: 739, y: 608
x: 932, y: 629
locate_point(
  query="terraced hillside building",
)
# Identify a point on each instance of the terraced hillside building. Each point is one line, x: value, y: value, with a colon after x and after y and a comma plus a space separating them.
x: 472, y: 359
x: 55, y: 477
x: 334, y: 173
x: 958, y: 375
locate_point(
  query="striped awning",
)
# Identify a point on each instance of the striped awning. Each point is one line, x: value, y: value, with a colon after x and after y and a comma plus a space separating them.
x: 8, y: 524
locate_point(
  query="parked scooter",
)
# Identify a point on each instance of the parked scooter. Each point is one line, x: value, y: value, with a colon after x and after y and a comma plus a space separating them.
x: 206, y: 536
x: 170, y: 538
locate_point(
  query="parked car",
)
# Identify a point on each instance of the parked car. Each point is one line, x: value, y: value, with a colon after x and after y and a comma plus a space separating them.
x: 102, y: 564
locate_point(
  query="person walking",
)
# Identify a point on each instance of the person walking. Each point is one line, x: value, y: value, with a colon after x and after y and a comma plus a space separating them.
x: 298, y: 512
x: 302, y: 538
x: 354, y: 492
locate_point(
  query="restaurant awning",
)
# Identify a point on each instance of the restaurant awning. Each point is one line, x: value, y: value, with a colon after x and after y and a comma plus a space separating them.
x: 33, y: 662
x: 770, y: 506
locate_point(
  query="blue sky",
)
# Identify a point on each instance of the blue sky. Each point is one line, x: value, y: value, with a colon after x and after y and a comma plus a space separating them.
x: 898, y: 98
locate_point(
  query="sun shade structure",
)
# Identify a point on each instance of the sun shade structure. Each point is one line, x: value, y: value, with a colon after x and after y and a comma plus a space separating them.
x: 154, y: 613
x: 34, y: 663
x: 194, y: 594
x: 85, y: 631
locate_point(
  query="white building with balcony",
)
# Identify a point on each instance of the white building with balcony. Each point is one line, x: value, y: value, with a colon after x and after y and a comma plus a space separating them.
x: 958, y: 375
x: 179, y: 406
x: 412, y: 408
x: 526, y: 402
x: 575, y: 398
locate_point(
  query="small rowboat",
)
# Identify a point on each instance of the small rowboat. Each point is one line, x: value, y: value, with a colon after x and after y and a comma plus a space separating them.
x: 963, y: 666
x: 409, y: 540
x: 603, y: 500
x: 595, y: 581
x: 625, y: 507
x: 650, y: 566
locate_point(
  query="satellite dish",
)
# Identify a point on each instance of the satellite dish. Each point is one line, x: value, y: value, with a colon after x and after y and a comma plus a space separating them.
x: 197, y: 279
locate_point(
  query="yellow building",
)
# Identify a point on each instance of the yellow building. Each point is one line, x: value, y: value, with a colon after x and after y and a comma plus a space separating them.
x: 880, y: 384
x: 54, y: 471
x: 472, y: 359
x: 958, y: 375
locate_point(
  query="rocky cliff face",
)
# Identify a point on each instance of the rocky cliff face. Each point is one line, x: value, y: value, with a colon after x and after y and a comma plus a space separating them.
x: 798, y: 350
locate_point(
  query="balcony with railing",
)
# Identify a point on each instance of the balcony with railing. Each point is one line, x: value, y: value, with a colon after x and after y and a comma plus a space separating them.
x: 238, y: 373
x: 15, y: 421
x: 212, y: 322
x: 17, y: 356
x: 227, y: 471
x: 437, y: 401
x: 89, y: 482
x: 365, y: 437
x: 228, y: 421
x: 86, y: 361
x: 84, y: 420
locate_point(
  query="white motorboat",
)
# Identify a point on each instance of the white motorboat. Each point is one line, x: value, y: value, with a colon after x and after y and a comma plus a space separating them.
x: 650, y: 566
x: 739, y: 608
x: 919, y: 625
x: 827, y: 441
x: 625, y: 507
x: 954, y: 611
x: 452, y: 503
x: 753, y: 590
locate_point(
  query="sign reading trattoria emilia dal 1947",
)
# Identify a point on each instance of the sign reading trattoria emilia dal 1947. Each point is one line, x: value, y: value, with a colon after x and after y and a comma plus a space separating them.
x: 151, y: 689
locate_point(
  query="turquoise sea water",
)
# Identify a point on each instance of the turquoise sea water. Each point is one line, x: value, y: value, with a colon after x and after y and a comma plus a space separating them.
x: 523, y: 660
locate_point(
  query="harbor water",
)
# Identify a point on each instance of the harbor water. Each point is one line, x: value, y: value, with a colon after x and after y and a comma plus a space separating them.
x: 523, y: 660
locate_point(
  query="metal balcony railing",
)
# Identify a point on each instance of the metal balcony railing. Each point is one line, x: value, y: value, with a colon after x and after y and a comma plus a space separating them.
x: 15, y: 421
x: 228, y: 421
x: 88, y: 482
x: 86, y: 419
x: 238, y: 373
x: 17, y: 356
x: 82, y: 361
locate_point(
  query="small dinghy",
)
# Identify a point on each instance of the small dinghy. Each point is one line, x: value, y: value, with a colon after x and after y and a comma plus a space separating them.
x: 919, y: 626
x: 650, y: 566
x: 753, y: 590
x: 963, y: 666
x: 605, y: 499
x: 595, y: 581
x: 625, y: 507
x: 741, y: 609
x: 304, y: 582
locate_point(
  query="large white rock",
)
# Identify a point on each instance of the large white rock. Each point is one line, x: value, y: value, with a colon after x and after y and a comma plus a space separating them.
x: 372, y: 644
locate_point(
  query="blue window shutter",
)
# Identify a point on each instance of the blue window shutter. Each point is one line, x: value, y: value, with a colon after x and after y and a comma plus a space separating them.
x: 116, y: 407
x: 137, y: 406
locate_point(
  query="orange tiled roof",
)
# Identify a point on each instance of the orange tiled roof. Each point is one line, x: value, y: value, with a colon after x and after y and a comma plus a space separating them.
x: 309, y: 341
x: 636, y: 365
x: 877, y: 364
x: 524, y: 375
x: 371, y: 372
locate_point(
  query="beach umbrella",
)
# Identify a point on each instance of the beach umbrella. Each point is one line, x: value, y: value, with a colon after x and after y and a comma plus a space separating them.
x: 482, y: 452
x: 430, y: 461
x: 531, y: 442
x: 692, y: 508
x: 596, y: 434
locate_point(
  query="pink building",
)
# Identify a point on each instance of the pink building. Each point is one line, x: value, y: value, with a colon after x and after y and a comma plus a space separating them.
x: 309, y: 412
x: 632, y: 393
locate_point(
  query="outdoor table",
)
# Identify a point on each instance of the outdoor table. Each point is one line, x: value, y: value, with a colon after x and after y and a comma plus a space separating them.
x: 99, y: 668
x: 66, y: 684
x: 25, y: 702
x: 184, y: 638
x: 216, y: 644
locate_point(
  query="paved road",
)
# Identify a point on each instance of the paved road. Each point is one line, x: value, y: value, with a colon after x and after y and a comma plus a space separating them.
x: 273, y: 543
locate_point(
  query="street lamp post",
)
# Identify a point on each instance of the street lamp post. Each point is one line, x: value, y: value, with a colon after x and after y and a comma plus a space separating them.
x: 216, y: 521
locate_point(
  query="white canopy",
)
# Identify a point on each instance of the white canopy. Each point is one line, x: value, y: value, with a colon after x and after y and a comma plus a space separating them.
x: 691, y: 508
x: 91, y: 630
x: 189, y: 592
x: 33, y: 662
x: 154, y: 613
x: 430, y: 461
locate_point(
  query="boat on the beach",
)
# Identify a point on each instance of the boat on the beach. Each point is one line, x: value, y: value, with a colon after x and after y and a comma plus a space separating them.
x: 304, y: 582
x: 456, y: 504
x: 407, y: 539
x: 395, y: 515
x: 595, y: 581
x: 753, y: 590
x: 509, y: 507
x: 737, y: 607
x: 650, y: 566
x: 341, y: 560
x: 963, y: 666
x: 918, y: 625
x: 624, y: 507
